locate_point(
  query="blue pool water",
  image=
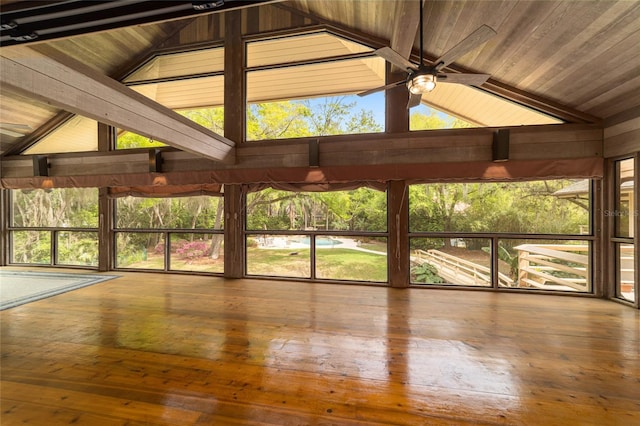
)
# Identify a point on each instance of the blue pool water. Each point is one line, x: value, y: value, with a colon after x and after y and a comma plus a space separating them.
x: 320, y: 241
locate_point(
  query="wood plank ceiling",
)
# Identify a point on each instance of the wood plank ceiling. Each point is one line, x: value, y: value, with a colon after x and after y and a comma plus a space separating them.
x: 582, y: 57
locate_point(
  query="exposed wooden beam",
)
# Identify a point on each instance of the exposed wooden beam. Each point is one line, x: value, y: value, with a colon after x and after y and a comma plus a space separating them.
x: 49, y: 76
x: 234, y: 117
x: 350, y: 152
x: 36, y: 22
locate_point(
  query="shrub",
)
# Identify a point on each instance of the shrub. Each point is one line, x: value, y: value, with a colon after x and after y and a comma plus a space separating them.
x: 426, y: 273
x: 193, y: 250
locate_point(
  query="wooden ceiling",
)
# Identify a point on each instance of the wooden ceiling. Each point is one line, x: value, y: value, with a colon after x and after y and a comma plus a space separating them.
x: 581, y: 58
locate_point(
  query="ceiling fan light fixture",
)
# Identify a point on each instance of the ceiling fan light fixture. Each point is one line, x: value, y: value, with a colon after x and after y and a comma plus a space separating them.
x: 422, y: 83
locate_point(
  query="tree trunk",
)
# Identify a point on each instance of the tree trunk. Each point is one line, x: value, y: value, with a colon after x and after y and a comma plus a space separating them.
x: 216, y: 241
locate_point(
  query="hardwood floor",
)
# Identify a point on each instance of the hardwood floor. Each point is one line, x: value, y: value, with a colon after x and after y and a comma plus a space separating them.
x: 157, y: 349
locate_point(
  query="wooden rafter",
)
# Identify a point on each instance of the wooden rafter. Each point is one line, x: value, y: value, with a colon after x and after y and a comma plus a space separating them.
x: 52, y: 77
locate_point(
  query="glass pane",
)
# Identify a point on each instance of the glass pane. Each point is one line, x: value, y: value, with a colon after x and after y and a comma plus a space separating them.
x: 540, y: 207
x: 70, y: 207
x: 561, y: 265
x: 210, y: 117
x: 198, y: 212
x: 424, y: 117
x: 320, y: 116
x: 77, y: 248
x: 197, y: 252
x: 140, y: 250
x: 130, y: 140
x: 180, y: 64
x: 351, y: 258
x: 481, y: 108
x: 31, y: 247
x: 78, y: 134
x: 457, y: 261
x: 626, y: 271
x: 361, y: 209
x: 299, y: 48
x: 625, y: 213
x: 278, y: 256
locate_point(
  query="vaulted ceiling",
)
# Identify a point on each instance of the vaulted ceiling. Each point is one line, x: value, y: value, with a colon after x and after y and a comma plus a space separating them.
x: 578, y: 61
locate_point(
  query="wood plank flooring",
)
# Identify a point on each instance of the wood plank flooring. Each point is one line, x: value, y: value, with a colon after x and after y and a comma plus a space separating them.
x: 153, y: 349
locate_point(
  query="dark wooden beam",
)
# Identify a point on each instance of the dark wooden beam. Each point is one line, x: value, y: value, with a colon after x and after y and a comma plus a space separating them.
x: 52, y: 77
x: 637, y: 227
x: 551, y: 142
x: 234, y: 127
x: 105, y: 236
x: 4, y: 222
x: 35, y: 22
x: 398, y: 222
x: 396, y: 112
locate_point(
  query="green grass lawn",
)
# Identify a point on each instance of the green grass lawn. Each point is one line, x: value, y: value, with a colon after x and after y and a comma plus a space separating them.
x: 375, y: 246
x: 279, y: 263
x: 346, y: 264
x: 334, y: 263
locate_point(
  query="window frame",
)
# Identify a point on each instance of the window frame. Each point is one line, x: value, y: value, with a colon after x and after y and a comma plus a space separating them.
x: 615, y: 242
x: 313, y: 235
x: 495, y: 238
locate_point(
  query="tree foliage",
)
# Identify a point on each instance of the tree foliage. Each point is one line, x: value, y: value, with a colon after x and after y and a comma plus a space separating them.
x: 514, y: 207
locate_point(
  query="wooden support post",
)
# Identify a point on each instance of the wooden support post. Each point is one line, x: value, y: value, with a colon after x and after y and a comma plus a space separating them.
x: 106, y: 238
x: 398, y: 220
x: 234, y: 223
x: 4, y: 219
x: 397, y: 121
x: 636, y: 219
x: 397, y: 114
x: 234, y: 129
x: 596, y: 274
x: 234, y: 78
x: 106, y: 137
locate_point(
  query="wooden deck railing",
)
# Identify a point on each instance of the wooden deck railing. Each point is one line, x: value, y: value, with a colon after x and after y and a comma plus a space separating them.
x: 545, y: 266
x: 553, y: 266
x: 456, y: 270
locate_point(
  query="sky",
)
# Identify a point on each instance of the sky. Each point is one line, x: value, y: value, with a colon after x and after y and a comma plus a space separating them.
x: 375, y: 103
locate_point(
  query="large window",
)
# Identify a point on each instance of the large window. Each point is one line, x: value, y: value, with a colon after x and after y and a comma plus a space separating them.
x: 210, y: 117
x: 54, y: 227
x: 170, y: 234
x: 306, y: 85
x: 532, y: 235
x: 191, y: 83
x: 339, y: 235
x: 624, y: 219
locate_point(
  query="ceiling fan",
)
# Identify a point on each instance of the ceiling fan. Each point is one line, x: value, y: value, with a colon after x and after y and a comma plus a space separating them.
x: 422, y: 78
x: 14, y: 130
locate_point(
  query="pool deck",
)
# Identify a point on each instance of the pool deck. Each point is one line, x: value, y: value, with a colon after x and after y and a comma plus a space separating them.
x: 280, y: 243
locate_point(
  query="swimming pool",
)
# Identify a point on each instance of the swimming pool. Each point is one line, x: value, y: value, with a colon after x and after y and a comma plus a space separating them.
x: 320, y: 241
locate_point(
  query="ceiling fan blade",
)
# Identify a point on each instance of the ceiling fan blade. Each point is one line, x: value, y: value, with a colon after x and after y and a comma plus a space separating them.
x: 468, y: 79
x: 378, y: 89
x: 395, y: 58
x: 414, y: 100
x: 475, y: 39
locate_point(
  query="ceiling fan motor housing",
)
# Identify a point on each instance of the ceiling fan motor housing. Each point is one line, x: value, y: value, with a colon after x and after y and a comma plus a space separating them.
x: 421, y: 82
